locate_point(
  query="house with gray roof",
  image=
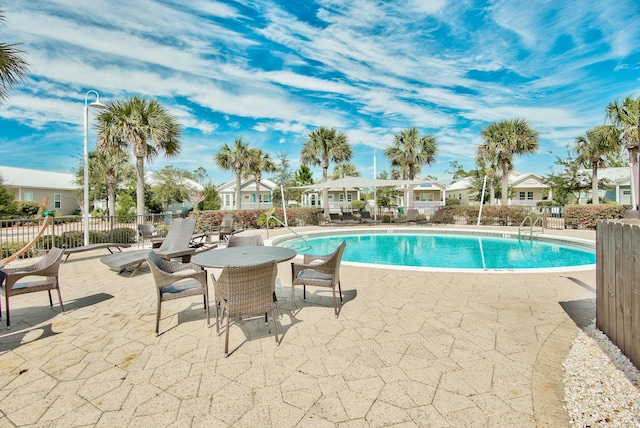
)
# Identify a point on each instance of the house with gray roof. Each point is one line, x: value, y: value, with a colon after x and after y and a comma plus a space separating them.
x: 54, y: 189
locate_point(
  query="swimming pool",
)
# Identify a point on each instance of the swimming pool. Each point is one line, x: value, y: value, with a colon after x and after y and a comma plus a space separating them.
x: 448, y: 250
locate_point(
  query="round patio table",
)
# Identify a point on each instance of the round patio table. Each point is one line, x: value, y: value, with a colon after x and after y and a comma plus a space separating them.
x: 242, y: 256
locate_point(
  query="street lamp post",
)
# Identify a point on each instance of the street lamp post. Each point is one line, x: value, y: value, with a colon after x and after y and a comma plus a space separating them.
x: 85, y: 213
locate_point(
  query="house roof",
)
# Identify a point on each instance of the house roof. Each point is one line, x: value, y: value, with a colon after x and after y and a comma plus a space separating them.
x: 616, y: 175
x: 247, y: 184
x: 36, y: 179
x: 516, y: 180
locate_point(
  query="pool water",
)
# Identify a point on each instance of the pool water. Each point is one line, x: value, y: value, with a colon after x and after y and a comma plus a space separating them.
x: 448, y: 251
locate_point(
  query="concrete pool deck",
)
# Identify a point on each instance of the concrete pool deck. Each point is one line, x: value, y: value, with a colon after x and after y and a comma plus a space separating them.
x: 409, y: 348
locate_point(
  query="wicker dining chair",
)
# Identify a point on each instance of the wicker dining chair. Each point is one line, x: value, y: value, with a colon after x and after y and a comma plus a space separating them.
x: 245, y: 241
x: 244, y: 291
x: 175, y: 280
x: 47, y: 268
x: 318, y: 270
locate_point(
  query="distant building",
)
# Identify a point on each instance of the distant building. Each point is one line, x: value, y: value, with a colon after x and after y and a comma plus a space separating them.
x: 526, y: 189
x: 249, y: 198
x: 54, y: 188
x: 619, y: 178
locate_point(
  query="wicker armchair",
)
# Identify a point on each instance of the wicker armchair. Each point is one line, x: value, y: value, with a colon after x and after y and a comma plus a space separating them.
x: 47, y: 268
x: 146, y: 232
x: 245, y: 241
x: 326, y: 273
x: 244, y: 291
x: 175, y: 280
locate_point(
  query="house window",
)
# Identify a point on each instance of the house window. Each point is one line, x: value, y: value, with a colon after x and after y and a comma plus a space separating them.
x: 27, y: 196
x: 522, y: 196
x: 530, y: 196
x: 460, y: 196
x: 430, y: 197
x: 626, y: 192
x: 57, y: 201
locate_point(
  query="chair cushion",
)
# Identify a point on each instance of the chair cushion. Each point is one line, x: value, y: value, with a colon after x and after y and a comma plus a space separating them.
x: 184, y: 288
x: 31, y: 286
x: 313, y: 277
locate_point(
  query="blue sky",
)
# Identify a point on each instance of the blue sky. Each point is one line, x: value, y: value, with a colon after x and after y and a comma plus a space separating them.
x: 272, y: 71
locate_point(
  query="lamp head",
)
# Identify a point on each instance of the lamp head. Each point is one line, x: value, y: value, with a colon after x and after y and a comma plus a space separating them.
x: 97, y: 103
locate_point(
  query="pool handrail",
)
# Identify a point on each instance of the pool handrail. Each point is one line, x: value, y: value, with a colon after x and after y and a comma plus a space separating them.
x: 533, y: 223
x: 269, y: 217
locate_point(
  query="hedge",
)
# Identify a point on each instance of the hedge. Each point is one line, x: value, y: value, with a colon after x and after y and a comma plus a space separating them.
x: 249, y: 219
x: 586, y: 216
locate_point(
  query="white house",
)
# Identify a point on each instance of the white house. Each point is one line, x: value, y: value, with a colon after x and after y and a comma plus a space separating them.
x: 54, y: 189
x: 526, y: 189
x: 619, y: 178
x: 250, y: 198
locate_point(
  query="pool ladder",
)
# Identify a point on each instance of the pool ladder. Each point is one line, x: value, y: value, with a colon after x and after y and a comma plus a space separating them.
x: 533, y: 223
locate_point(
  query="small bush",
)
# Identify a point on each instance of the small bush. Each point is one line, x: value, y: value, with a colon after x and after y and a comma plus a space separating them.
x: 586, y: 216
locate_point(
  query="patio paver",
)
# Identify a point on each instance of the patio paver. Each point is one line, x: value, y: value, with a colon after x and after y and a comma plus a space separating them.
x: 409, y: 348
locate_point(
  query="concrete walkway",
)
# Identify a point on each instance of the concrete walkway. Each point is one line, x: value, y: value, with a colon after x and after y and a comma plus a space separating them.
x: 409, y: 349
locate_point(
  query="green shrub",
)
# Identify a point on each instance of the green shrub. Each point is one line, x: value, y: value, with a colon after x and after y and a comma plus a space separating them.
x: 452, y: 201
x: 586, y: 216
x: 27, y: 208
x: 358, y: 205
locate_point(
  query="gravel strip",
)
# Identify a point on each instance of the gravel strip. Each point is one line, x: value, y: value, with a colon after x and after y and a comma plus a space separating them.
x: 601, y: 386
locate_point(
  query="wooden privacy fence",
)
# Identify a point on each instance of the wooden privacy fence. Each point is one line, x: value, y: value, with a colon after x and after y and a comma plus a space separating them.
x: 618, y: 285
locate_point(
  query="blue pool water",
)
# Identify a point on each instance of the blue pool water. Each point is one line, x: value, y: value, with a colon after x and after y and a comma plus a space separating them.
x: 453, y: 251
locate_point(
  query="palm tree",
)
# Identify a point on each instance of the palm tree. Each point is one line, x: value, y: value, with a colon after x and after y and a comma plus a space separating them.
x: 13, y: 67
x: 592, y: 148
x: 486, y: 163
x: 323, y: 146
x: 259, y: 162
x: 112, y: 167
x: 409, y: 152
x: 505, y: 139
x: 142, y: 125
x: 625, y: 115
x: 237, y: 160
x: 344, y: 169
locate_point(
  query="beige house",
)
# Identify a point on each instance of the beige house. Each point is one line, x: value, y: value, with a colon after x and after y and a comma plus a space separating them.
x: 250, y: 199
x: 54, y: 188
x: 526, y: 189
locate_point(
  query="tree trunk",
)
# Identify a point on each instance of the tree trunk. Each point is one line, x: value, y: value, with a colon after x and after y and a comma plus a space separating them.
x: 111, y: 195
x: 325, y: 192
x: 238, y: 184
x: 505, y: 185
x: 595, y: 199
x: 140, y: 188
x: 492, y: 191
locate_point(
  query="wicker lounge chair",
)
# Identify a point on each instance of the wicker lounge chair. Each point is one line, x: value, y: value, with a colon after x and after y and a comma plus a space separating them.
x: 176, y: 280
x: 46, y: 268
x: 365, y: 217
x: 244, y: 291
x: 349, y: 218
x: 174, y: 245
x: 108, y: 245
x: 335, y: 219
x: 226, y: 228
x: 411, y: 217
x: 438, y: 217
x: 326, y: 273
